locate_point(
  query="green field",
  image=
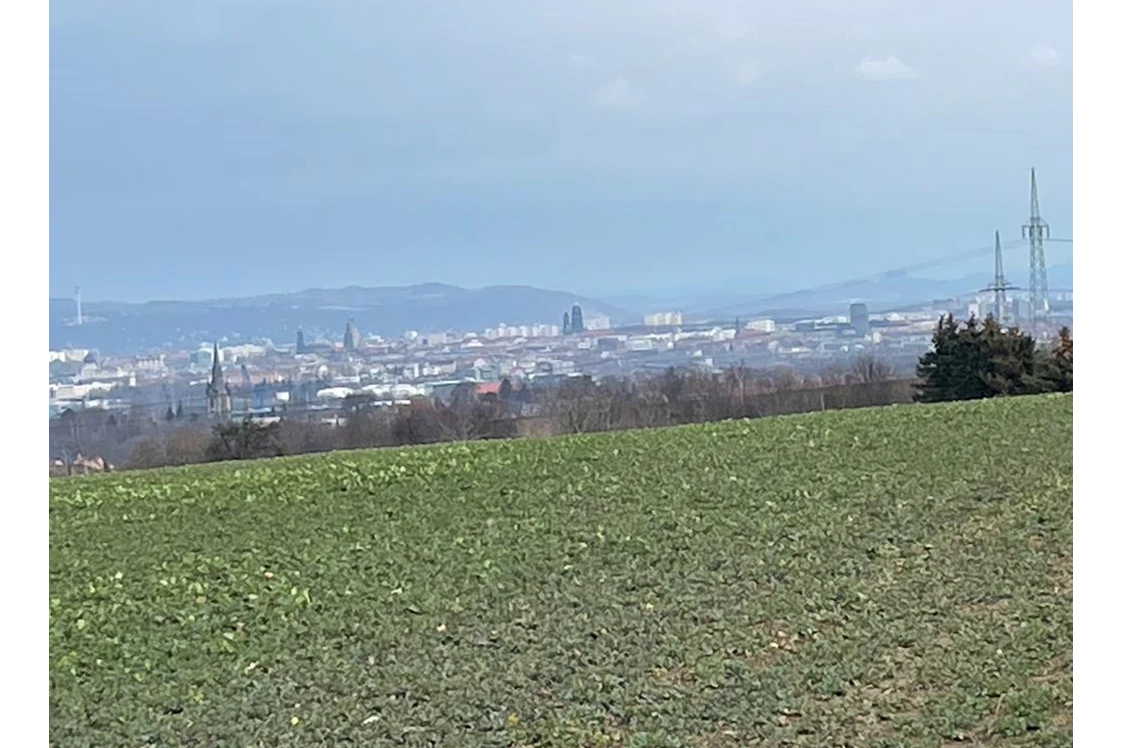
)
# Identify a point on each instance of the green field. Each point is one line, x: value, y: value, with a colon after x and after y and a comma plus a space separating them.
x: 897, y: 576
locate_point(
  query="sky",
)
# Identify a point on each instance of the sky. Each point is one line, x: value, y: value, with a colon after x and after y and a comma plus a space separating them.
x: 233, y: 147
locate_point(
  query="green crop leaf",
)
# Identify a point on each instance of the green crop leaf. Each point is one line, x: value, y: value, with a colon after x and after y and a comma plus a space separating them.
x: 713, y: 585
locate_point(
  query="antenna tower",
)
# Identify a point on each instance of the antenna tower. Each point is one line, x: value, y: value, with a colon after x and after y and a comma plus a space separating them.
x: 1037, y: 231
x: 78, y: 302
x: 999, y: 286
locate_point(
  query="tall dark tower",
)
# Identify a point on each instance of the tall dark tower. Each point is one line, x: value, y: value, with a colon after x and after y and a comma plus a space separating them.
x: 1037, y: 231
x: 860, y: 319
x: 300, y: 345
x: 352, y: 339
x: 576, y: 320
x: 566, y: 326
x: 999, y: 286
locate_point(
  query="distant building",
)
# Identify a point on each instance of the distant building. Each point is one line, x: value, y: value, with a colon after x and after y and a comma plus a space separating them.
x: 596, y: 323
x: 576, y: 320
x: 218, y: 391
x: 150, y: 363
x: 73, y: 354
x: 239, y: 353
x: 761, y: 325
x: 301, y: 347
x: 352, y: 340
x: 860, y: 319
x: 663, y: 319
x: 544, y: 331
x: 520, y: 331
x: 567, y: 326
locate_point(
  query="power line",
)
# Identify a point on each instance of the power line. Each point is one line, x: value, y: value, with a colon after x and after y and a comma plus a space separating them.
x: 969, y: 254
x: 1000, y: 286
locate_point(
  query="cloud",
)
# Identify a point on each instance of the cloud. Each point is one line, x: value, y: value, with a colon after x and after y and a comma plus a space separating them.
x: 885, y: 69
x: 747, y: 72
x: 733, y: 29
x: 1045, y: 55
x: 619, y: 94
x: 579, y: 60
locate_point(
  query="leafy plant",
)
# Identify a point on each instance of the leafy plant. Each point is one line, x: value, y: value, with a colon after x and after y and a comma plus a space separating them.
x: 810, y: 580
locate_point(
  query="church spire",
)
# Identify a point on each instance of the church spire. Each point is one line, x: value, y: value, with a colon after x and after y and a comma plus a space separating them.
x: 216, y: 369
x: 218, y: 392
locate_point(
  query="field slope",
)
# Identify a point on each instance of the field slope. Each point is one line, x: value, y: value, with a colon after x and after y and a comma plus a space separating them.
x: 898, y: 576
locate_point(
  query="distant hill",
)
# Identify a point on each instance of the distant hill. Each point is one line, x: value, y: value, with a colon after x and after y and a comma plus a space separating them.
x: 884, y: 292
x: 115, y: 327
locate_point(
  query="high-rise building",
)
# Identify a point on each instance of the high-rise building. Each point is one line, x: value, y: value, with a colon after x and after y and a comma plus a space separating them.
x: 300, y: 345
x: 352, y: 339
x: 566, y: 325
x: 860, y: 319
x: 576, y: 320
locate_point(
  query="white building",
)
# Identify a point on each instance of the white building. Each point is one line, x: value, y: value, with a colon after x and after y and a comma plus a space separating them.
x: 238, y: 353
x: 545, y: 331
x: 70, y: 354
x: 662, y: 319
x: 598, y: 323
x: 761, y: 325
x: 333, y: 393
x: 394, y: 391
x: 151, y: 364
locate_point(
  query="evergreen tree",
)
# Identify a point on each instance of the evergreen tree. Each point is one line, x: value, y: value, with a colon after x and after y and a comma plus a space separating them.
x: 1058, y: 366
x: 1010, y: 362
x: 969, y: 361
x: 974, y: 359
x: 950, y: 370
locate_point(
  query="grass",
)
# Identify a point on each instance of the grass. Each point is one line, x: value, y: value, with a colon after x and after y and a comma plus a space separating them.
x: 884, y: 577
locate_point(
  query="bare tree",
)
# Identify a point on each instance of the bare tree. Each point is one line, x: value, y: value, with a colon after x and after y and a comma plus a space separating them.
x: 868, y: 369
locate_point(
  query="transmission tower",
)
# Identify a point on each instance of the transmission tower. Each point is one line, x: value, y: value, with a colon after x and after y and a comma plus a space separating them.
x: 1037, y: 231
x: 999, y: 286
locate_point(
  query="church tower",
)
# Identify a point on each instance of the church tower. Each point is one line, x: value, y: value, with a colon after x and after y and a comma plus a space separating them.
x: 218, y: 391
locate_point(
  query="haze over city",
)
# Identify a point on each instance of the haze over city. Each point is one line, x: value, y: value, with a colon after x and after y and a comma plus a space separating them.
x: 262, y: 212
x: 212, y: 149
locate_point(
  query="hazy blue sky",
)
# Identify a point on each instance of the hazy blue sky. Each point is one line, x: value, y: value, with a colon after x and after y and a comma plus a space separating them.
x: 220, y: 147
